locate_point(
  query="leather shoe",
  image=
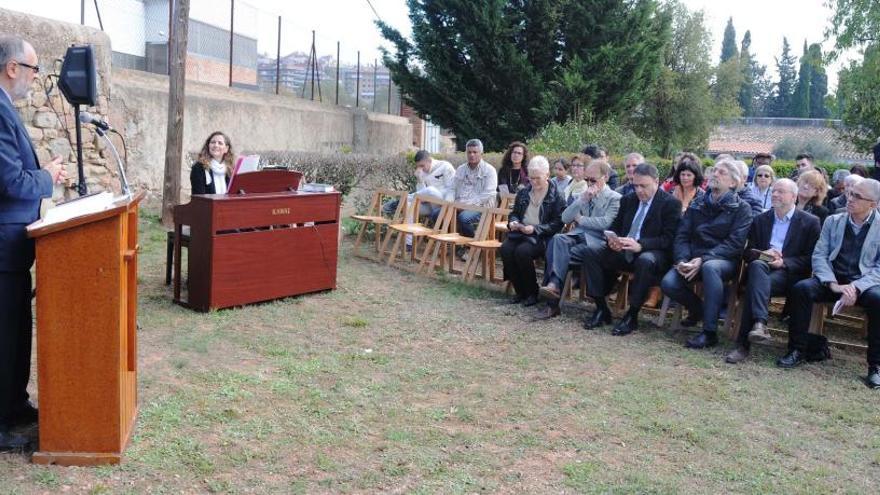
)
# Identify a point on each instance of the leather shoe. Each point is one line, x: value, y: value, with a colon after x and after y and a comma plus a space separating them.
x: 549, y: 291
x: 759, y: 334
x: 602, y: 316
x: 547, y: 313
x: 24, y: 415
x: 11, y: 441
x: 627, y: 325
x: 702, y: 340
x: 873, y: 380
x: 737, y: 355
x: 791, y: 360
x: 530, y: 301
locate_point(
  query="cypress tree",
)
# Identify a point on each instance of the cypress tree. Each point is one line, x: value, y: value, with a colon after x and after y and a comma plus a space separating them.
x: 800, y: 100
x: 818, y: 84
x: 728, y: 44
x: 782, y: 98
x: 747, y: 91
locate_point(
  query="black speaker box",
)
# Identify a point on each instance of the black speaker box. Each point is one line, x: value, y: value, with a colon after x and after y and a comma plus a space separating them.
x: 78, y: 79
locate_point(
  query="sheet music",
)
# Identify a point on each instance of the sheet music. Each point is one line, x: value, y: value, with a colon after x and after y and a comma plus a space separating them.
x: 78, y: 207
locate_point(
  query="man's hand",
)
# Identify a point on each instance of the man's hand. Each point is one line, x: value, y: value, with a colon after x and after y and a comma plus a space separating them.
x: 850, y: 294
x: 693, y: 269
x: 589, y: 193
x: 630, y: 244
x: 527, y: 229
x: 56, y: 170
x: 614, y: 244
x: 776, y: 264
x: 514, y: 226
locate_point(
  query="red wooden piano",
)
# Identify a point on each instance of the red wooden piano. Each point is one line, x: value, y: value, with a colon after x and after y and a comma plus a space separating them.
x: 264, y: 241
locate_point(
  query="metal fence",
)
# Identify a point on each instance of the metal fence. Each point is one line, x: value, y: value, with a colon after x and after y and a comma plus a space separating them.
x: 238, y: 44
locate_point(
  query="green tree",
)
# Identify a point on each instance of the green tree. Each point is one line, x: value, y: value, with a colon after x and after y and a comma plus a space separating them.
x: 499, y: 70
x: 854, y: 23
x: 858, y: 91
x: 800, y: 100
x: 679, y: 111
x: 818, y: 82
x: 728, y: 43
x: 784, y: 88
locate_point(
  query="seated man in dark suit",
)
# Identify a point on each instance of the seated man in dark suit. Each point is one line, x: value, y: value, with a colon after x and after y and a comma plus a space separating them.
x: 846, y: 267
x: 708, y: 246
x: 644, y: 229
x: 785, y: 236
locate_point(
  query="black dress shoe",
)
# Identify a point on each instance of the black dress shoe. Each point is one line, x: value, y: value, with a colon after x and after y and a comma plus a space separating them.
x: 792, y: 359
x: 873, y: 380
x: 691, y: 321
x: 627, y: 325
x: 11, y: 441
x: 702, y: 340
x: 602, y: 316
x: 547, y: 313
x: 24, y: 415
x: 530, y: 301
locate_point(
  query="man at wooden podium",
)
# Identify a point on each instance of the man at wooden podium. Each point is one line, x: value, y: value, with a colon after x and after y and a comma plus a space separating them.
x: 22, y: 184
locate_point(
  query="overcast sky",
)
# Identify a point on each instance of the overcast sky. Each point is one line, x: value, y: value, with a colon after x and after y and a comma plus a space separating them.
x: 351, y: 23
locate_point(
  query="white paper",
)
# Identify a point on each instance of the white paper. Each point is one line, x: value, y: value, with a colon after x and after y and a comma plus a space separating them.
x: 249, y: 163
x: 838, y: 307
x: 77, y: 208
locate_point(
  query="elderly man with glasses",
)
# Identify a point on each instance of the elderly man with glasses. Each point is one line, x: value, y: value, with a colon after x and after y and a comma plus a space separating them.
x: 846, y: 270
x: 23, y: 183
x: 590, y: 214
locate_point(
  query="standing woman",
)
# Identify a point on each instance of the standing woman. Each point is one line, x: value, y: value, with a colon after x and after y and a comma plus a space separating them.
x: 213, y: 169
x: 536, y: 217
x: 687, y: 179
x: 762, y: 187
x: 812, y: 189
x: 512, y: 172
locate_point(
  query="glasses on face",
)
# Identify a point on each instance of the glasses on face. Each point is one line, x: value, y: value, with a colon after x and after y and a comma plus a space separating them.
x: 855, y: 195
x: 766, y: 176
x: 591, y: 180
x: 35, y: 68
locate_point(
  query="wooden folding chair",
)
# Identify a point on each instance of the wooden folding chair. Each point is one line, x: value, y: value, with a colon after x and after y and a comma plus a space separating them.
x: 730, y: 326
x: 505, y: 203
x: 482, y: 253
x: 414, y: 228
x: 448, y: 240
x: 374, y: 216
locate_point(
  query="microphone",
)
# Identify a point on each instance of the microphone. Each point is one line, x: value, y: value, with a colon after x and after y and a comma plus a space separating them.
x: 87, y: 118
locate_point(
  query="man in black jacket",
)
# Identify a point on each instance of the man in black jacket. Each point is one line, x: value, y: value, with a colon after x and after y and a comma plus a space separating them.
x: 708, y: 245
x: 643, y: 230
x: 781, y: 242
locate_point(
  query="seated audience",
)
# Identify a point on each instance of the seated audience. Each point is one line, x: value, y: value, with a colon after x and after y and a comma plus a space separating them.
x: 837, y: 186
x: 860, y: 170
x: 708, y: 246
x: 642, y: 244
x: 512, y: 173
x: 846, y: 267
x: 212, y: 170
x: 838, y: 204
x: 577, y: 185
x: 811, y: 194
x: 630, y: 162
x: 780, y: 246
x: 560, y: 171
x: 591, y: 214
x: 803, y: 163
x: 433, y: 177
x: 475, y: 183
x: 687, y: 179
x: 535, y: 218
x: 762, y: 187
x: 745, y: 192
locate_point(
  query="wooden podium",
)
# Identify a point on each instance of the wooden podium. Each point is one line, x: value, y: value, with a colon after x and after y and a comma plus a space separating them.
x: 86, y: 335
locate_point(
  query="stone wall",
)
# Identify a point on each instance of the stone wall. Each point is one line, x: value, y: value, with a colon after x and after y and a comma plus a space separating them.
x: 136, y: 104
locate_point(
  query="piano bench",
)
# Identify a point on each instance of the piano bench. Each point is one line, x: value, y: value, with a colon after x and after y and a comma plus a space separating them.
x: 169, y: 257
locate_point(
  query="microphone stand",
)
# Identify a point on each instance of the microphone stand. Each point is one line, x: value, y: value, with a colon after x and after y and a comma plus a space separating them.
x: 125, y: 190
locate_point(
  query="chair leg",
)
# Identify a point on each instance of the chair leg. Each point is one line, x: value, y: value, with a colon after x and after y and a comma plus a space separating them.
x: 664, y: 308
x: 357, y: 242
x: 817, y: 319
x: 566, y: 287
x: 169, y: 257
x: 395, y: 249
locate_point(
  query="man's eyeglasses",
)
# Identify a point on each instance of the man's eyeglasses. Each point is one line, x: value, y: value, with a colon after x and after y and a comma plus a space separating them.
x: 855, y: 195
x: 591, y: 180
x: 35, y: 68
x: 763, y: 175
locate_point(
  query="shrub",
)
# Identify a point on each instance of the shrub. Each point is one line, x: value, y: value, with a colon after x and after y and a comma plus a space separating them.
x: 571, y: 137
x: 788, y: 148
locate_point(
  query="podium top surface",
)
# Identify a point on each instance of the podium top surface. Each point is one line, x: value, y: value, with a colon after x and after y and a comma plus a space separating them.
x: 41, y: 228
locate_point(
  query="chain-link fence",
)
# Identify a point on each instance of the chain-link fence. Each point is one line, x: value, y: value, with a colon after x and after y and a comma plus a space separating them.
x: 238, y: 44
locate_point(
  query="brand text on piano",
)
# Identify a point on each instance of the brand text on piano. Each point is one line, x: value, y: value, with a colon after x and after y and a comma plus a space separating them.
x: 281, y: 211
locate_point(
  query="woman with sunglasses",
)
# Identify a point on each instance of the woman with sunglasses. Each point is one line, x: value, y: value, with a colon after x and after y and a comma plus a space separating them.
x: 763, y: 185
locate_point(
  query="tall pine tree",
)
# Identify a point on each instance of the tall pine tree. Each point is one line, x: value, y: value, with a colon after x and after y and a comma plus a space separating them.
x: 818, y: 83
x: 785, y: 87
x: 800, y: 100
x: 747, y: 65
x: 728, y: 44
x: 500, y: 69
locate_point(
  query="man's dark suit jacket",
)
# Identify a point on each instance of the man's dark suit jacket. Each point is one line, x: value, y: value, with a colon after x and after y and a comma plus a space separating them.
x: 797, y: 250
x: 22, y: 185
x: 659, y: 225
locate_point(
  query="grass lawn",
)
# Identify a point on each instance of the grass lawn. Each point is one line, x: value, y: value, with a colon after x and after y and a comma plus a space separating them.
x: 398, y: 383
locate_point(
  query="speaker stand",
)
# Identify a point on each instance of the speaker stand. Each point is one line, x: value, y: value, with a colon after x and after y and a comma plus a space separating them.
x: 81, y: 186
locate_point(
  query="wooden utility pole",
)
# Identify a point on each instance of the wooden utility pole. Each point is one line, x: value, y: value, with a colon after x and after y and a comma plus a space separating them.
x: 176, y: 96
